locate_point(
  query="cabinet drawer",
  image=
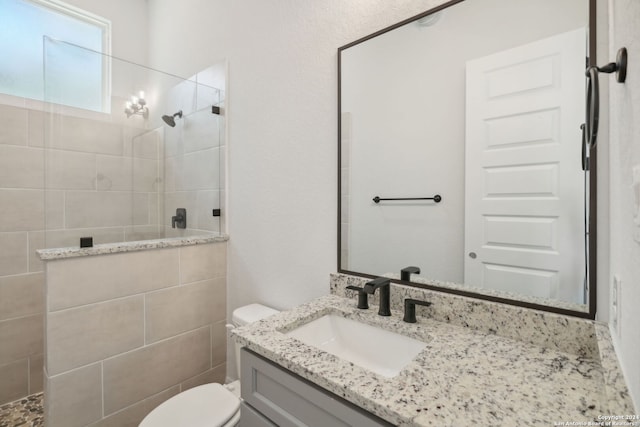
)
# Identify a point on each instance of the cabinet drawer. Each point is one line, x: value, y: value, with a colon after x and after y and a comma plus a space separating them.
x: 291, y: 401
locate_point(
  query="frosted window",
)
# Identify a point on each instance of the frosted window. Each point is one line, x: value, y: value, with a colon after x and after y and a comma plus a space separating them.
x: 23, y: 27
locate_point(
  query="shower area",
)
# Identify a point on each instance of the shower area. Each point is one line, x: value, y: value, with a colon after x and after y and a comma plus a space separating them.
x: 130, y: 154
x: 114, y: 153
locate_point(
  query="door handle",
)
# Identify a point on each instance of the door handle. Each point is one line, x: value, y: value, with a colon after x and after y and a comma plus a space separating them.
x: 472, y: 255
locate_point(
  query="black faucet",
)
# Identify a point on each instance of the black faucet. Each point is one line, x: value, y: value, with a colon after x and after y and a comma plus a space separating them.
x: 410, y: 309
x: 363, y: 297
x: 405, y: 273
x: 385, y: 294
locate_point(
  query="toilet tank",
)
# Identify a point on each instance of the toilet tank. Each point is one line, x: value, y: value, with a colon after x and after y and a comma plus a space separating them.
x: 248, y: 314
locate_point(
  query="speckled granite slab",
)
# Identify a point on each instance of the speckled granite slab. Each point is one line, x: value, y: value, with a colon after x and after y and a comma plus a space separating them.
x: 142, y: 245
x: 564, y: 333
x: 465, y: 375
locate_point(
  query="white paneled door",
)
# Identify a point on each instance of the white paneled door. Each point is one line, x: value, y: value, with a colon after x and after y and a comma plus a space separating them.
x: 524, y: 185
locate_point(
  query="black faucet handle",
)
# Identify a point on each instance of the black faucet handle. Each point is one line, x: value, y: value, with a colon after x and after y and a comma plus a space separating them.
x: 410, y: 309
x: 405, y: 273
x: 363, y: 298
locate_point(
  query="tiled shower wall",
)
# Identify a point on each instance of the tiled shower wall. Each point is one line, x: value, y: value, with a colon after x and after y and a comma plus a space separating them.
x: 103, y: 182
x: 104, y: 179
x: 21, y: 232
x: 127, y: 331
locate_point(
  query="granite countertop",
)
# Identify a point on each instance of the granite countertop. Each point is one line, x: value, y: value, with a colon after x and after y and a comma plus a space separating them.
x: 462, y: 377
x: 138, y: 245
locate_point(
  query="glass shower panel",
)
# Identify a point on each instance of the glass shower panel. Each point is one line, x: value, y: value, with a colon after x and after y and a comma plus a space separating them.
x: 119, y: 172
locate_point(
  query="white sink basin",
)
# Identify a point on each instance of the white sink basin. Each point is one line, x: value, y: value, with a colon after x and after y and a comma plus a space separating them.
x: 383, y: 352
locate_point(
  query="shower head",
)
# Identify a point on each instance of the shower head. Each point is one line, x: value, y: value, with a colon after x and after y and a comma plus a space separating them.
x: 171, y: 120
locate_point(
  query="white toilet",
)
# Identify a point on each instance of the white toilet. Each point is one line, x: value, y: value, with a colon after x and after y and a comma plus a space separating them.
x: 208, y: 405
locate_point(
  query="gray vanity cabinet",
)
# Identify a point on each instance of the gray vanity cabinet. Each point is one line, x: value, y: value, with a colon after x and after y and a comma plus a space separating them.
x: 274, y: 396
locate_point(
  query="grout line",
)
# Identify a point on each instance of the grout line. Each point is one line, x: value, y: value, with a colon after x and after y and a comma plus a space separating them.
x: 102, y: 384
x: 95, y: 362
x: 163, y: 340
x: 144, y: 319
x: 179, y: 266
x: 116, y: 299
x: 39, y: 313
x: 28, y: 375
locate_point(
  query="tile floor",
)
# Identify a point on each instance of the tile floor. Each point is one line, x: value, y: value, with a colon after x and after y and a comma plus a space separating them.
x: 26, y: 412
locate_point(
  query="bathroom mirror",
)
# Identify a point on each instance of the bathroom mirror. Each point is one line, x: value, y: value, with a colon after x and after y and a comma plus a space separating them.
x: 461, y: 153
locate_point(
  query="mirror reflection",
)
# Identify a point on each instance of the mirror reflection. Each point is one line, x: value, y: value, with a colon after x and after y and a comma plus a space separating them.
x: 480, y: 103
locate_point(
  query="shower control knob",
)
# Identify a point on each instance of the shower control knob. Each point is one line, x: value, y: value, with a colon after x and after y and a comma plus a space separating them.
x: 472, y: 255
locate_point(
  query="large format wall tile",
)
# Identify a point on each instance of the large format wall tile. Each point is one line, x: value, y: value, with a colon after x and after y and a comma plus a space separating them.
x: 54, y: 205
x: 179, y: 309
x: 85, y: 280
x: 114, y: 173
x: 74, y: 399
x: 21, y: 167
x: 14, y: 380
x: 134, y: 414
x: 79, y: 336
x: 218, y: 343
x: 219, y: 303
x: 70, y: 170
x: 202, y: 262
x: 207, y: 200
x: 77, y: 134
x: 20, y: 338
x: 143, y: 232
x: 36, y: 128
x: 214, y: 375
x: 141, y: 373
x: 141, y: 209
x: 22, y: 210
x: 36, y: 373
x: 147, y: 145
x: 85, y: 209
x: 201, y: 170
x: 13, y: 125
x: 13, y: 253
x: 36, y: 241
x: 101, y: 307
x: 146, y: 175
x: 21, y: 295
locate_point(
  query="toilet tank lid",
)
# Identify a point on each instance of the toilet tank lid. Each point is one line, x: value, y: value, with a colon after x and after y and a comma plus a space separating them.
x: 251, y: 313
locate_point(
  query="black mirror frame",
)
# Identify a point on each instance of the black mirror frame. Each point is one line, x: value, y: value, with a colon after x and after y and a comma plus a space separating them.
x: 592, y: 224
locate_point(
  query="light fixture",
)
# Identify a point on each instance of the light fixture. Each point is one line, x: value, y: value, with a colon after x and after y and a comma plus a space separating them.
x: 137, y: 106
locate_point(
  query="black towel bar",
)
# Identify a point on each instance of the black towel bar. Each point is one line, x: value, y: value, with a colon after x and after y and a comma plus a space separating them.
x: 437, y: 198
